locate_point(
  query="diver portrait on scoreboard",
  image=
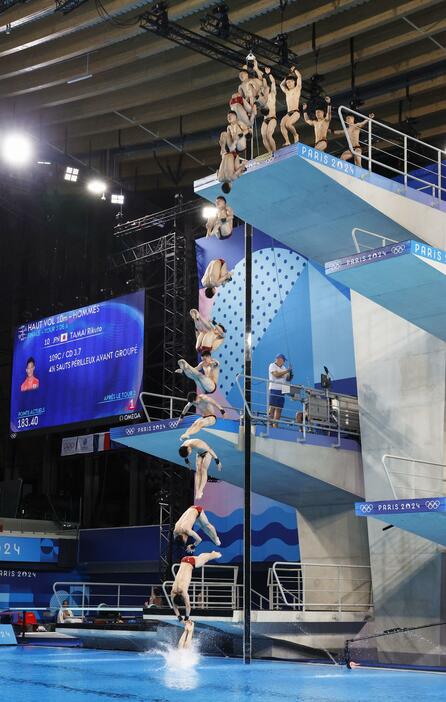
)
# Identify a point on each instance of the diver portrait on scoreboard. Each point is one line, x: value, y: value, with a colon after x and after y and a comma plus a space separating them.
x: 30, y: 382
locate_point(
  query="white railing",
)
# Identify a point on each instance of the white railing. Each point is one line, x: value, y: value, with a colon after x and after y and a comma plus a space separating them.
x: 384, y: 148
x: 320, y: 587
x: 84, y: 596
x: 159, y: 407
x: 415, y: 478
x: 317, y: 411
x: 359, y: 246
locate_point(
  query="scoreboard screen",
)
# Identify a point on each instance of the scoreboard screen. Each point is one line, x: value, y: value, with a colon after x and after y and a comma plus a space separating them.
x: 78, y: 366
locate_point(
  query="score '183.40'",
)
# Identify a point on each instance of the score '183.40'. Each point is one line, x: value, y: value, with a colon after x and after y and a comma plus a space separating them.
x: 25, y: 422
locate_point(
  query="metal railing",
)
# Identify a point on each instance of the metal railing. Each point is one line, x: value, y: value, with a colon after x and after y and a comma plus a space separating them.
x: 417, y: 480
x: 416, y: 163
x: 160, y: 407
x: 381, y: 237
x: 319, y: 411
x: 320, y: 587
x: 84, y: 596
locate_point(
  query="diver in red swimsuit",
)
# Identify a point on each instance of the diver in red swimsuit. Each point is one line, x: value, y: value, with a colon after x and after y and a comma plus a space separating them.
x: 180, y: 588
x: 184, y: 527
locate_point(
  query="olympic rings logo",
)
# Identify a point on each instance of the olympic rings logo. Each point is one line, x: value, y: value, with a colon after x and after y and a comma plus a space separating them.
x: 398, y: 249
x: 129, y: 431
x: 366, y: 508
x: 432, y: 504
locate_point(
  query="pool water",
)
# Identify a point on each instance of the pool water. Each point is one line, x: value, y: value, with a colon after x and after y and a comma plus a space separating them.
x: 37, y: 674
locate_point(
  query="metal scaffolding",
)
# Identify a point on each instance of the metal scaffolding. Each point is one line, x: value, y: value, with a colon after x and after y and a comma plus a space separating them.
x: 170, y: 251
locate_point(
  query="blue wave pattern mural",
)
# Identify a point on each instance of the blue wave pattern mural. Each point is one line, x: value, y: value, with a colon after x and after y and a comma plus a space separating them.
x: 274, y: 525
x: 296, y: 311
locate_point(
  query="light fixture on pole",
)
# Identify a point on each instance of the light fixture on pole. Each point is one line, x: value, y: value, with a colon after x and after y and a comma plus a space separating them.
x: 16, y: 149
x: 71, y: 174
x: 117, y: 199
x: 96, y: 186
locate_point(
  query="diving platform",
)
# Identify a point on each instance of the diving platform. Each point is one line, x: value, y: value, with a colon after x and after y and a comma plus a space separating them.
x: 424, y: 517
x: 312, y: 201
x: 284, y: 467
x: 408, y: 278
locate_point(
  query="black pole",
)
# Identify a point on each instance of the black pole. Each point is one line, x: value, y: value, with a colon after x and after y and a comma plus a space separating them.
x: 247, y: 449
x: 247, y: 649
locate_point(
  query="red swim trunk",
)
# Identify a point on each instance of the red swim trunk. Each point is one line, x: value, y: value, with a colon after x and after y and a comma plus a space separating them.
x: 189, y: 559
x: 198, y: 508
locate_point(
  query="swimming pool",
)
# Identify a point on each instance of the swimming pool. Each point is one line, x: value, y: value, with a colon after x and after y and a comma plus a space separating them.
x: 38, y: 674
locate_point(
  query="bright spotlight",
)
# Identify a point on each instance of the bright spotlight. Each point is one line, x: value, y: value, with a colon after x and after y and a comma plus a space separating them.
x: 16, y: 149
x: 97, y: 186
x: 71, y: 174
x: 117, y: 199
x: 208, y: 211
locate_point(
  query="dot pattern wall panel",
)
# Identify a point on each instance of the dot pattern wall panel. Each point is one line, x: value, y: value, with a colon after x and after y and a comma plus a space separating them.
x: 275, y: 272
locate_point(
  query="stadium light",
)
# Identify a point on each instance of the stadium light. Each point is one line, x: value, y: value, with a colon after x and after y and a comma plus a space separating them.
x: 16, y: 149
x: 97, y: 186
x: 71, y: 174
x: 117, y: 199
x: 208, y: 211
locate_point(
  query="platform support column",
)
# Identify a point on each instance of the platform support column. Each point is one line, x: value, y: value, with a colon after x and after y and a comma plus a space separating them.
x: 247, y: 450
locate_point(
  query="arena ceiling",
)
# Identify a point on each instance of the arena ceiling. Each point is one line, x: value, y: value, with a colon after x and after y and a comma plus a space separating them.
x: 144, y: 89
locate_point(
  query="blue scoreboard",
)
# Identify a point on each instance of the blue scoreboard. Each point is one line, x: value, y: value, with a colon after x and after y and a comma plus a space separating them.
x: 78, y: 366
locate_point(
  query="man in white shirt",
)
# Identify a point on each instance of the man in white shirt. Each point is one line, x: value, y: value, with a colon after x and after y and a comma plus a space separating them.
x: 65, y: 615
x: 278, y: 376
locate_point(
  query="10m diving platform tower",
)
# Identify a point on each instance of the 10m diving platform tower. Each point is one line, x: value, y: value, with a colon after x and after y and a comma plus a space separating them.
x: 380, y: 230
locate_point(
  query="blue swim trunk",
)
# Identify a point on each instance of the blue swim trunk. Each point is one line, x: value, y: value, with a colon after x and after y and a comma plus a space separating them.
x: 276, y: 398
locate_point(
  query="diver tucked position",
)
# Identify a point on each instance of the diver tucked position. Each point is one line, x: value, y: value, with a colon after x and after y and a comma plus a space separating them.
x: 210, y: 335
x: 220, y: 224
x: 184, y: 528
x: 203, y: 460
x: 206, y: 406
x: 216, y: 274
x: 180, y: 587
x: 205, y: 375
x: 320, y: 124
x: 292, y: 87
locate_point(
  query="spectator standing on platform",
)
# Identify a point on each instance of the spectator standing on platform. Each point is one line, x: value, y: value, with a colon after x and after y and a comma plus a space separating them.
x: 278, y: 376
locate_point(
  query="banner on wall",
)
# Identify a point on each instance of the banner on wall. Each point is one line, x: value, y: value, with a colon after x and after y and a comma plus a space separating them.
x: 89, y: 443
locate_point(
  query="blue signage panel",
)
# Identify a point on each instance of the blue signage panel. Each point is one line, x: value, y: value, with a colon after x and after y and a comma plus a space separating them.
x: 429, y: 504
x: 364, y: 257
x: 7, y: 635
x: 18, y: 549
x: 429, y: 252
x: 79, y: 365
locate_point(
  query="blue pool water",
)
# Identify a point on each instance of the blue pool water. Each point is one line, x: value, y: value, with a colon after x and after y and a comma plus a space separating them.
x: 74, y: 675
